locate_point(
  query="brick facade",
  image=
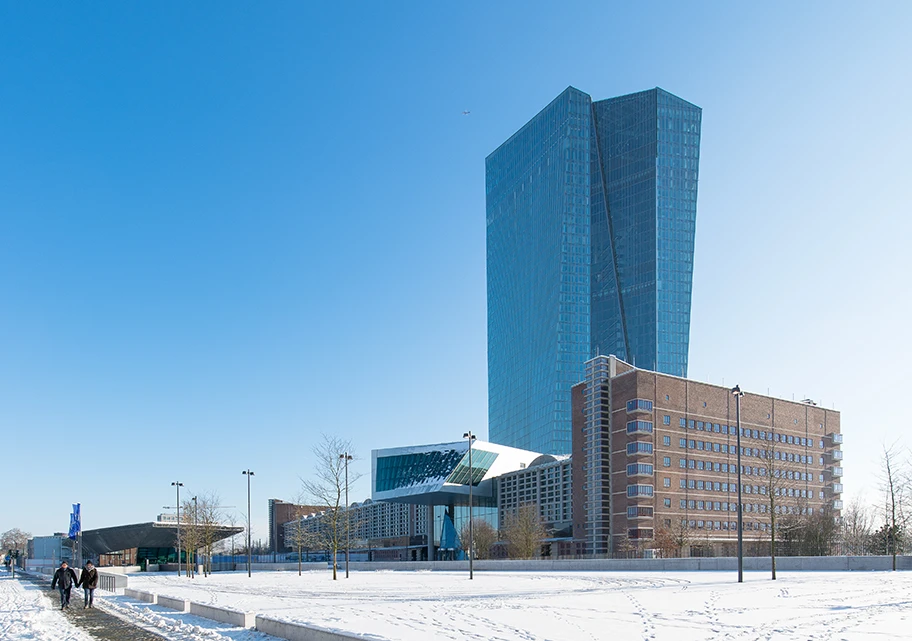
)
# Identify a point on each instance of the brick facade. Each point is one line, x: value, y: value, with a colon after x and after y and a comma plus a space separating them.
x: 671, y: 447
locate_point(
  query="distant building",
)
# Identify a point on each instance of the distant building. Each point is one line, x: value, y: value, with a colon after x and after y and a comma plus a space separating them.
x: 654, y: 455
x: 591, y: 218
x: 438, y: 477
x: 547, y: 485
x: 50, y: 549
x: 381, y: 531
x: 281, y: 513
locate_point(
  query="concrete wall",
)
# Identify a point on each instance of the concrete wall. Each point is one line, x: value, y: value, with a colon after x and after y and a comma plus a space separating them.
x: 224, y: 615
x: 139, y: 595
x: 785, y: 563
x: 299, y: 631
x: 181, y: 605
x: 119, y: 569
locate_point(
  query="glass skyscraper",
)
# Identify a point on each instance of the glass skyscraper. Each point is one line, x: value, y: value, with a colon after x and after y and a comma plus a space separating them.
x: 591, y: 211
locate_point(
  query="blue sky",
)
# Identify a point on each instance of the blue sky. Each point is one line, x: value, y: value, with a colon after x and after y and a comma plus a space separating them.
x: 226, y: 228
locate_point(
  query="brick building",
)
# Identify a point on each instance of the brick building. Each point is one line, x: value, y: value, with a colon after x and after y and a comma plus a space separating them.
x: 281, y: 513
x: 654, y: 457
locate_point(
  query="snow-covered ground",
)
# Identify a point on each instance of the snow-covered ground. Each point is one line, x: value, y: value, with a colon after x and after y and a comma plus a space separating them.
x: 177, y: 626
x: 579, y: 606
x: 26, y: 612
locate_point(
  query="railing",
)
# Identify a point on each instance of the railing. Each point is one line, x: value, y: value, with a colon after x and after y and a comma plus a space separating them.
x: 113, y: 583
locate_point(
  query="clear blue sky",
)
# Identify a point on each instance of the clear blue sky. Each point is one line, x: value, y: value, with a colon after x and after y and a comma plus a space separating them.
x: 228, y: 227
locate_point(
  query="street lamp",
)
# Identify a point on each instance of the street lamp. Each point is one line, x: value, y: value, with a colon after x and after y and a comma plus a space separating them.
x: 178, y: 485
x: 248, y: 474
x: 736, y: 391
x: 195, y: 537
x: 471, y: 437
x: 347, y: 457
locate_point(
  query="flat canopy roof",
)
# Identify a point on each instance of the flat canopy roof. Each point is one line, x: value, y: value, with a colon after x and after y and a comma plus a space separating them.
x: 141, y: 535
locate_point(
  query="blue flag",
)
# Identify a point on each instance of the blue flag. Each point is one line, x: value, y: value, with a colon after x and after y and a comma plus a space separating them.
x: 75, y: 523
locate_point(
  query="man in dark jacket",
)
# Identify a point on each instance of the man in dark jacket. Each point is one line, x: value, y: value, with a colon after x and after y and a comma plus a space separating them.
x: 89, y: 581
x: 64, y: 579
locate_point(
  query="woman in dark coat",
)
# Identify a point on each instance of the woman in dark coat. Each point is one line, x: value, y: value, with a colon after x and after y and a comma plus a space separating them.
x: 89, y: 581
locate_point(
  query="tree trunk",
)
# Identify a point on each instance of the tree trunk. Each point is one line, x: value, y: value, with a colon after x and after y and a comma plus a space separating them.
x: 773, y: 532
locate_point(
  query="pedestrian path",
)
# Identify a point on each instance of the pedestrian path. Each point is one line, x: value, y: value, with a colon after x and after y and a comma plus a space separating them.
x: 73, y: 624
x: 27, y: 612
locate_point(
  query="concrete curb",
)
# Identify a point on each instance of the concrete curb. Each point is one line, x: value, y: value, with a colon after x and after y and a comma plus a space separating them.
x: 181, y: 605
x: 224, y: 615
x: 300, y: 632
x: 139, y: 595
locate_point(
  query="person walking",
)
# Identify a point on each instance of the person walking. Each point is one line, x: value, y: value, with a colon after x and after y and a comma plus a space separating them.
x: 88, y: 579
x: 64, y: 579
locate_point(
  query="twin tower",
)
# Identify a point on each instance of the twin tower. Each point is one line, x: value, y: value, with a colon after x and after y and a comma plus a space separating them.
x: 591, y: 212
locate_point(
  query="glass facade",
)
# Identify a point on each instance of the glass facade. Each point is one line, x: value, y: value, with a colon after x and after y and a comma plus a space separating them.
x: 407, y: 470
x: 481, y: 463
x: 591, y: 211
x: 418, y: 468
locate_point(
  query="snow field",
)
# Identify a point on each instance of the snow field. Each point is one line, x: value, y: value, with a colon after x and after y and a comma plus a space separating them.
x: 27, y: 612
x: 578, y: 606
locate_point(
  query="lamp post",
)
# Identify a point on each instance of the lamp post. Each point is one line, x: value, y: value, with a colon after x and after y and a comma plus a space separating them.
x: 195, y: 537
x: 178, y: 485
x: 737, y: 393
x: 248, y: 474
x: 471, y: 437
x: 347, y: 457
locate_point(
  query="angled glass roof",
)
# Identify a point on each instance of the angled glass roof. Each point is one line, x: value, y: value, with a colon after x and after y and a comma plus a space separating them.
x: 481, y: 463
x: 437, y: 466
x: 416, y: 468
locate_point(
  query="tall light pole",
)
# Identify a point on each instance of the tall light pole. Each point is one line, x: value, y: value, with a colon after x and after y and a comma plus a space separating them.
x: 471, y: 438
x: 178, y: 485
x: 248, y: 473
x: 347, y: 457
x: 195, y: 537
x: 736, y: 391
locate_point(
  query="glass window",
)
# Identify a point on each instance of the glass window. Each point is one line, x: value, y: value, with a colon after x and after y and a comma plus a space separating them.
x: 639, y: 490
x: 639, y: 447
x: 635, y: 469
x: 639, y: 404
x: 639, y: 426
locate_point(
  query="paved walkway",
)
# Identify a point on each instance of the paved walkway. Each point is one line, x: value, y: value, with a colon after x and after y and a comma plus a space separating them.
x: 95, y: 622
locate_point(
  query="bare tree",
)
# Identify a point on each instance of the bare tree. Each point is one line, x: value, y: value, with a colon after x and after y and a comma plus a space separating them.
x: 327, y: 488
x: 680, y: 534
x: 485, y: 536
x: 856, y: 528
x: 209, y: 517
x: 190, y: 534
x: 14, y: 539
x: 524, y: 531
x: 894, y: 482
x: 297, y: 534
x: 780, y: 488
x: 664, y: 542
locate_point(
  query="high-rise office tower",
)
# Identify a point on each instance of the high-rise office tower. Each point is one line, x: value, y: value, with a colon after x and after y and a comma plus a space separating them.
x: 591, y: 211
